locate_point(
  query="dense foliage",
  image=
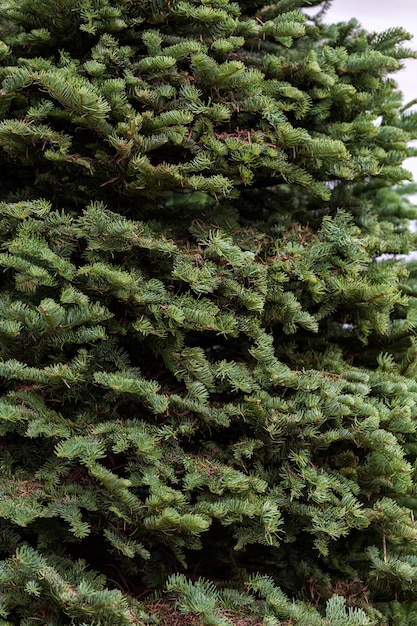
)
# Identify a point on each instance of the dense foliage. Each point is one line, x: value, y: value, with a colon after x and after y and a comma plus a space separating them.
x: 207, y: 368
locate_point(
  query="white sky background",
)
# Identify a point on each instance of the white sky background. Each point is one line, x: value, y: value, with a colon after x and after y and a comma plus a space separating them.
x: 378, y: 15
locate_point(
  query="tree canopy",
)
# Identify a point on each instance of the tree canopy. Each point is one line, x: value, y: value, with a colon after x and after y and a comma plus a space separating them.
x: 207, y: 330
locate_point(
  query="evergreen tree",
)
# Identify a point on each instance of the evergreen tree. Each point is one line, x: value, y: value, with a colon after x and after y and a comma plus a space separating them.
x: 207, y: 367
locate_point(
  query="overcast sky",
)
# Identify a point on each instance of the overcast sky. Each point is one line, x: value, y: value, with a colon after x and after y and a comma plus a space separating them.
x: 378, y: 15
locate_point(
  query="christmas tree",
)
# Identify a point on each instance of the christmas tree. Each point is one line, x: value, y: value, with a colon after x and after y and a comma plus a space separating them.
x: 207, y: 329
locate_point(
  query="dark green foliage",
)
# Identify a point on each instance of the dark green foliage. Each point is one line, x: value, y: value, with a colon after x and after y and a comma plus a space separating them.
x: 208, y: 372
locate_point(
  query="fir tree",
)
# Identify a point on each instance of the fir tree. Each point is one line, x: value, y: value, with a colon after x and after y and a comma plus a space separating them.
x: 207, y: 369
